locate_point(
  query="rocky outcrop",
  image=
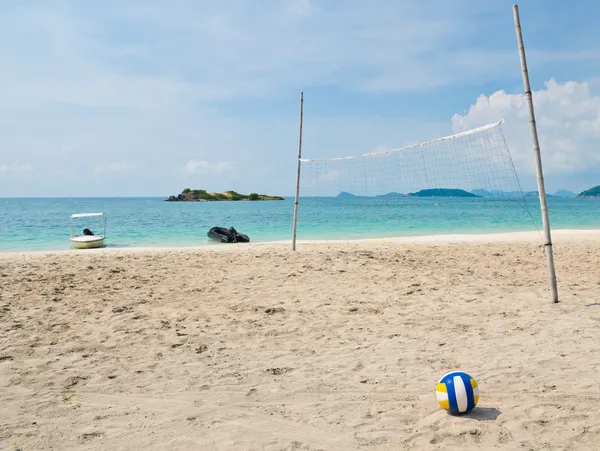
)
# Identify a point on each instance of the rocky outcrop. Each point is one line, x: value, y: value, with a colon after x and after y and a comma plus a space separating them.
x: 200, y: 195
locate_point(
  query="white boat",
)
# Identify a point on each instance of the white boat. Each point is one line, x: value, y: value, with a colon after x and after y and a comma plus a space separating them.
x: 88, y: 240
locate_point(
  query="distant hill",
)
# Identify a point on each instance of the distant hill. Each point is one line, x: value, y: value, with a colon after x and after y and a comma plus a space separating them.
x: 497, y: 194
x: 443, y: 192
x: 592, y: 192
x: 493, y: 194
x: 435, y: 192
x: 200, y: 195
x: 392, y: 195
x: 564, y: 193
x: 536, y: 194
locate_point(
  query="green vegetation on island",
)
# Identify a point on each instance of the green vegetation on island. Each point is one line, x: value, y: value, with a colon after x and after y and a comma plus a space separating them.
x: 592, y: 192
x: 200, y: 195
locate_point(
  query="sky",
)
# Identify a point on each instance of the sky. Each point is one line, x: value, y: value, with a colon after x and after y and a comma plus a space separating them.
x: 147, y: 97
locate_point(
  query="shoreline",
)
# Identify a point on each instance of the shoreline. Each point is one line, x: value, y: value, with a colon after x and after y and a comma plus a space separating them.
x: 531, y: 237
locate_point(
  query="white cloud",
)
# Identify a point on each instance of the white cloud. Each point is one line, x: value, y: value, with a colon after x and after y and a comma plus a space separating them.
x: 332, y: 175
x: 381, y: 148
x: 117, y: 167
x: 186, y: 52
x: 301, y: 7
x: 202, y: 166
x: 568, y: 122
x: 15, y: 168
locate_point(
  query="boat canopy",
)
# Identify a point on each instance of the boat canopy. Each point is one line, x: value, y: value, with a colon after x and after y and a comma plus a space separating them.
x: 85, y: 215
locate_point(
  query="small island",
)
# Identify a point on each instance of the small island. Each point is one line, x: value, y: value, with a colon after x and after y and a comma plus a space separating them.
x: 200, y: 195
x: 592, y: 192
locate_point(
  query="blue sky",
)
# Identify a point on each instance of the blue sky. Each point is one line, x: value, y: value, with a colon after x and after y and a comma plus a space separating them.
x: 147, y: 97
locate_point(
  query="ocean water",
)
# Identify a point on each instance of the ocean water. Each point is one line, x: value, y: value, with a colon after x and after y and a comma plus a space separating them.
x: 43, y: 224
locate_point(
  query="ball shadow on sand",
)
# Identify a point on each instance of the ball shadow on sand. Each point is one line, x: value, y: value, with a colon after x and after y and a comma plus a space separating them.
x: 483, y: 414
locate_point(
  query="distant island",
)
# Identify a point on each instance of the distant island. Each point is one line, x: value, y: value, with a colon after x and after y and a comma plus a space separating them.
x: 436, y: 192
x: 498, y: 194
x: 443, y: 192
x: 564, y: 193
x: 482, y: 193
x: 592, y: 192
x: 200, y: 195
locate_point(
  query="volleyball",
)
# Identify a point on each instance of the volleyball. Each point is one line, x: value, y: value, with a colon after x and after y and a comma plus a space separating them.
x: 457, y: 392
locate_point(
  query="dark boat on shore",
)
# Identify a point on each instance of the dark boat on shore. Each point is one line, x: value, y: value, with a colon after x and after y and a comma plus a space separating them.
x: 230, y: 235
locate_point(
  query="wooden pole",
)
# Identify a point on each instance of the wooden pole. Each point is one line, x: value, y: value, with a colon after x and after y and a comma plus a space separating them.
x: 298, y: 174
x: 538, y: 159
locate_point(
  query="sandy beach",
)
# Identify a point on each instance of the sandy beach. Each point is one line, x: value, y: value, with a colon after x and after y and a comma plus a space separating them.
x: 337, y: 346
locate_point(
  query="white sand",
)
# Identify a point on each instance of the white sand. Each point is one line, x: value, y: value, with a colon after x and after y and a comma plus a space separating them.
x: 335, y: 347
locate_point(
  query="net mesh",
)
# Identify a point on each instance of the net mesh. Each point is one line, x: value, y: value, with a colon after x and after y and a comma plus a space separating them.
x: 472, y: 167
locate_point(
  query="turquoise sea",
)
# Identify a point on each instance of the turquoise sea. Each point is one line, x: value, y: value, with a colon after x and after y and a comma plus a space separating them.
x: 43, y: 224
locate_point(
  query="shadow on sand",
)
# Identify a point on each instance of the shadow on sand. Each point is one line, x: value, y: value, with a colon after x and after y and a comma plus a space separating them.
x: 483, y: 414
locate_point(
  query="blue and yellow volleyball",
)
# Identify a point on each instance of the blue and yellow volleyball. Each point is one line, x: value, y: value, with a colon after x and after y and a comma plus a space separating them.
x: 457, y: 392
